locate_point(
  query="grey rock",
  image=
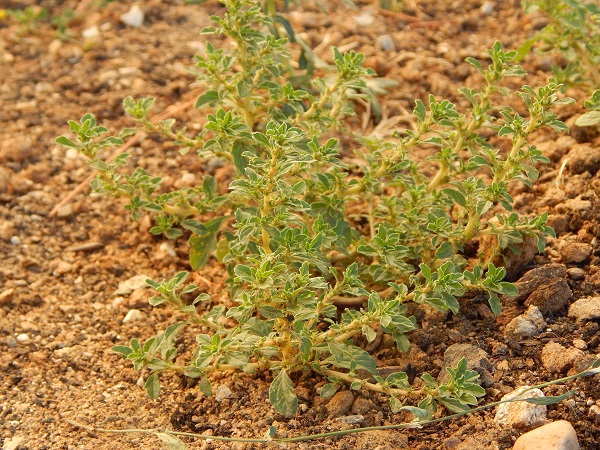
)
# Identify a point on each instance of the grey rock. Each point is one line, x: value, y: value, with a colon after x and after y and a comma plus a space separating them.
x: 477, y: 359
x: 559, y: 435
x: 526, y: 325
x: 222, y: 393
x: 357, y: 418
x: 585, y: 308
x: 386, y: 43
x: 521, y: 414
x: 11, y: 342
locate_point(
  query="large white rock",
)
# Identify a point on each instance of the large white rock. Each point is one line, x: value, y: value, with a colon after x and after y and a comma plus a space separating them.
x: 559, y: 435
x: 521, y: 414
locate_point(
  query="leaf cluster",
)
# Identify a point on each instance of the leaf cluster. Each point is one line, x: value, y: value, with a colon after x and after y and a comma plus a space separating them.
x: 325, y: 248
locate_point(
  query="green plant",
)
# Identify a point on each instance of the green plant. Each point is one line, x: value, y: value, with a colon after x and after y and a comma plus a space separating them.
x: 574, y: 31
x: 592, y: 117
x: 302, y: 231
x: 29, y: 18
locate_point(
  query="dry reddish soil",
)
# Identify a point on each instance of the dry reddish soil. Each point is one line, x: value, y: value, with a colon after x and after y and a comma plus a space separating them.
x: 60, y: 311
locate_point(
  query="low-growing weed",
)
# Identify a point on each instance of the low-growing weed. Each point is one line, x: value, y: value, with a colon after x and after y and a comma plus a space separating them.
x: 309, y: 225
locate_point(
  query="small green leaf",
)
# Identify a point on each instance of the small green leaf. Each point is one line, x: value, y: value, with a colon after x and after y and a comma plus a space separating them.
x: 419, y: 414
x: 205, y: 387
x: 282, y: 395
x: 152, y: 386
x: 62, y: 140
x: 588, y: 119
x: 550, y: 400
x: 395, y: 404
x: 495, y: 304
x: 209, y: 97
x: 122, y: 350
x: 328, y: 390
x: 445, y: 250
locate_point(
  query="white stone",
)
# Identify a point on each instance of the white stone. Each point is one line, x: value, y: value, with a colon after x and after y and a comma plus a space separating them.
x: 365, y: 19
x: 559, y: 435
x: 133, y: 315
x: 15, y: 240
x: 22, y: 338
x: 386, y: 43
x: 167, y: 248
x: 526, y: 325
x: 12, y: 444
x: 131, y: 284
x: 222, y: 393
x: 487, y: 8
x: 65, y: 211
x: 520, y: 414
x: 91, y: 32
x: 134, y: 17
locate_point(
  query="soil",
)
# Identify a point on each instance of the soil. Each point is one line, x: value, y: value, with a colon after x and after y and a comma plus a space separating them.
x: 60, y: 310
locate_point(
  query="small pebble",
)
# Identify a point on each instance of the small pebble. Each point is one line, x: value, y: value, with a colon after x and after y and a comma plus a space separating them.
x: 487, y: 8
x: 6, y: 296
x: 222, y: 393
x: 22, y: 338
x: 63, y: 268
x: 91, y: 32
x: 15, y: 240
x: 134, y: 17
x: 131, y: 284
x: 356, y: 418
x: 386, y: 43
x: 580, y: 344
x: 133, y: 315
x: 576, y: 274
x: 595, y: 413
x: 11, y: 342
x: 65, y: 211
x: 340, y: 403
x: 365, y: 19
